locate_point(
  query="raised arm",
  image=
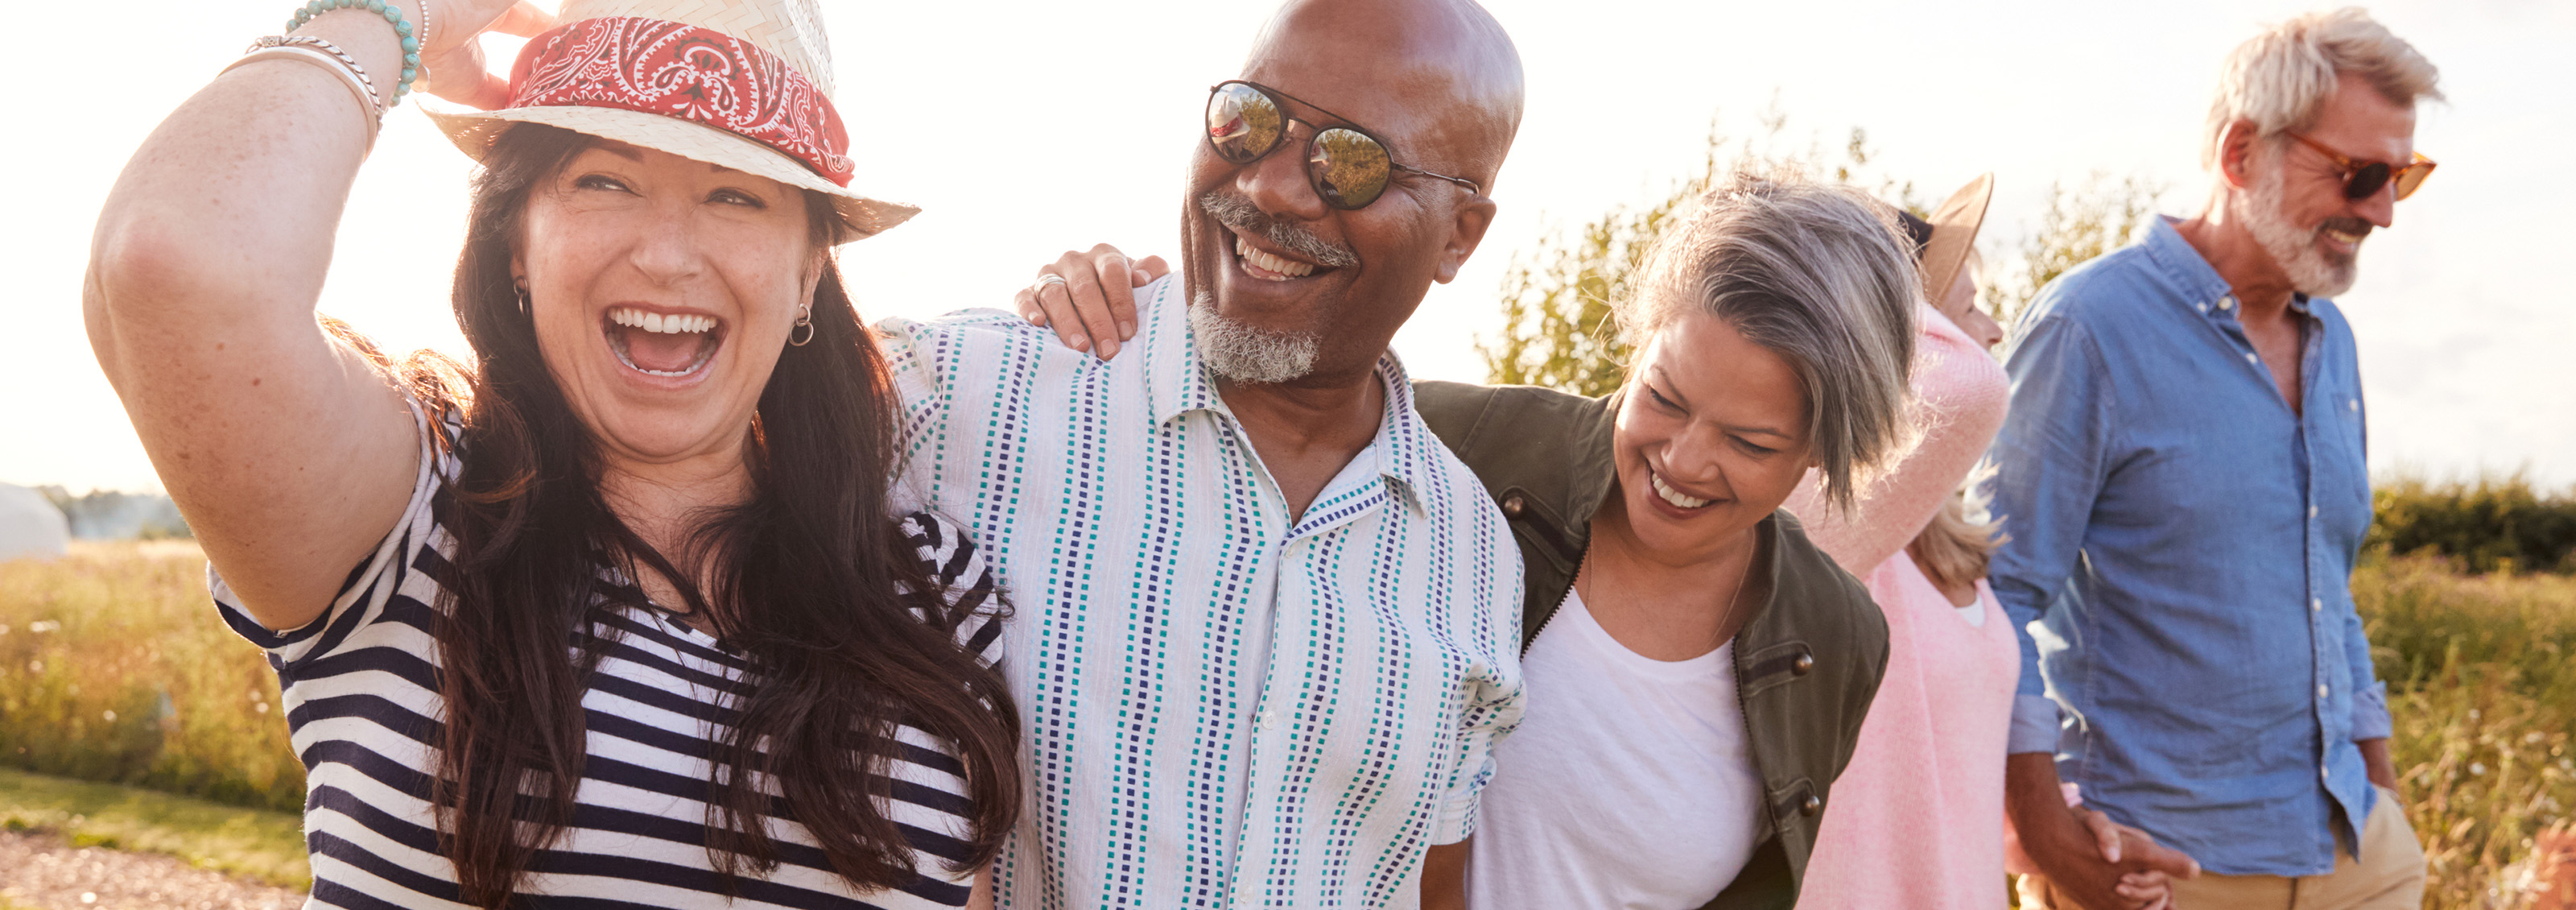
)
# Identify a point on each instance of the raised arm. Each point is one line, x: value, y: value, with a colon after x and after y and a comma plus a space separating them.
x: 1959, y: 405
x: 290, y: 453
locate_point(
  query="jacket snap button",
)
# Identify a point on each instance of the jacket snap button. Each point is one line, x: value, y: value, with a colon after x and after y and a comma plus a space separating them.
x: 1513, y: 505
x: 1811, y: 806
x: 1805, y: 663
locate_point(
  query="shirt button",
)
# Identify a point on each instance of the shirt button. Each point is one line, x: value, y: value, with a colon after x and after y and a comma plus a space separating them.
x: 2249, y: 358
x: 1513, y: 505
x: 2316, y: 604
x: 2312, y: 511
x: 2321, y: 690
x: 2353, y: 403
x: 2324, y: 773
x: 1811, y: 806
x: 1803, y: 665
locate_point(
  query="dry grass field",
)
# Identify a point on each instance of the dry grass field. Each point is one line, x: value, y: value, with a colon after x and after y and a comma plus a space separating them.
x: 114, y: 667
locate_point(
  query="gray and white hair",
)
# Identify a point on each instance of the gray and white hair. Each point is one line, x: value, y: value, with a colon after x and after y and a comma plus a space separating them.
x: 2281, y: 79
x: 1243, y: 352
x: 1818, y: 273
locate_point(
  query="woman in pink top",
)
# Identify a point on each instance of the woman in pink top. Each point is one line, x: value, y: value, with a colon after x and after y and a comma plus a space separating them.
x: 1918, y: 819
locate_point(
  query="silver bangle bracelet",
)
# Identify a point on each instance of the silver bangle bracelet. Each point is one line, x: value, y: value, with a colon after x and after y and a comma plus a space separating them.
x: 374, y: 102
x: 370, y: 110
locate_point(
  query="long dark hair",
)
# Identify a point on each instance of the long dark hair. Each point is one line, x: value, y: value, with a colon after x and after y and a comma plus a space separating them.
x: 813, y: 583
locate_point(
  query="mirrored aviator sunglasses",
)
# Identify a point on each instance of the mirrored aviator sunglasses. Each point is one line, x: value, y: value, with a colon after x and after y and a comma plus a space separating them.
x: 2362, y: 179
x: 1348, y: 167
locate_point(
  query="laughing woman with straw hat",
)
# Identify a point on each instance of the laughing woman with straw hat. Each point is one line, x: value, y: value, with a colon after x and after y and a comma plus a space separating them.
x: 619, y: 613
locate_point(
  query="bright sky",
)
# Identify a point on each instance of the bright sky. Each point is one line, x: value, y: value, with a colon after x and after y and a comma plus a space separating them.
x: 2464, y: 334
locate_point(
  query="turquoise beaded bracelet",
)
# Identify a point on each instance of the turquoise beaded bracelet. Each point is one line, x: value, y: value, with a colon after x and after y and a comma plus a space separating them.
x: 391, y: 12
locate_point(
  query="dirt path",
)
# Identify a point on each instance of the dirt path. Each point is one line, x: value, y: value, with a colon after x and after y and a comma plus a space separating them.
x: 42, y: 872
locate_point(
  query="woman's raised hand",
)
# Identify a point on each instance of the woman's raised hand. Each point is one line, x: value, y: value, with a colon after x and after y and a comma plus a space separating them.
x: 1080, y: 307
x: 452, y: 63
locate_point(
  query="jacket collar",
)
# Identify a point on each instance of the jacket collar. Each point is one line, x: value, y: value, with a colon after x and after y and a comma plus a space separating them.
x: 1595, y: 467
x: 1595, y: 473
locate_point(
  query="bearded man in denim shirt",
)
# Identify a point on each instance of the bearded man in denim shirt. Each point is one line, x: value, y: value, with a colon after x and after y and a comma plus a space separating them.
x: 2183, y: 482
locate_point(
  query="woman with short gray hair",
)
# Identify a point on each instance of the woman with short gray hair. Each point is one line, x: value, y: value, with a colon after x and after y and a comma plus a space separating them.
x: 1697, y: 669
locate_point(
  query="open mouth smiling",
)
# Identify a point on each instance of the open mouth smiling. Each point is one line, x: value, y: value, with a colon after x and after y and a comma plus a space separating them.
x: 1675, y: 498
x: 1267, y: 265
x: 2344, y: 234
x: 662, y: 345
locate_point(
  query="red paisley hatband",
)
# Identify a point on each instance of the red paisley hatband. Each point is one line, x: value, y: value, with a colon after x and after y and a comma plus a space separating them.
x: 695, y: 74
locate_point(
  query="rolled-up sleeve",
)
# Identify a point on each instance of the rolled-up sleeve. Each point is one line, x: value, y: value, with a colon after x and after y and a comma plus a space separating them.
x: 1495, y: 703
x: 2049, y: 465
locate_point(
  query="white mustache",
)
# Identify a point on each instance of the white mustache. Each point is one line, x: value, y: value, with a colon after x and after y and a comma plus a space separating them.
x: 1240, y: 214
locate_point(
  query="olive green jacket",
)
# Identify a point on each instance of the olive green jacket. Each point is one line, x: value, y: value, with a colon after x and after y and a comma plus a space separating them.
x: 1807, y: 661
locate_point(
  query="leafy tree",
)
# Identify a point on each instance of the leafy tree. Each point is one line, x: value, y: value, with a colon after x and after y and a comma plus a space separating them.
x: 2095, y: 217
x: 1557, y: 331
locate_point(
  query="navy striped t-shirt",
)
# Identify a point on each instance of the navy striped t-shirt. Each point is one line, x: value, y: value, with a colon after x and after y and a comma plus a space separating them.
x: 363, y: 708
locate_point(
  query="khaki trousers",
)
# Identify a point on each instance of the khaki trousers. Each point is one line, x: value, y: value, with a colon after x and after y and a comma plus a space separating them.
x: 2389, y: 875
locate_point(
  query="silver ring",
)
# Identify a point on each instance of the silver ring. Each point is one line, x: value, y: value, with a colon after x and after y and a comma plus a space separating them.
x: 1045, y: 280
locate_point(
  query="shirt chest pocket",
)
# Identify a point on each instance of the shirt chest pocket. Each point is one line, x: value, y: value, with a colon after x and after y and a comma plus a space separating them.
x: 2340, y: 465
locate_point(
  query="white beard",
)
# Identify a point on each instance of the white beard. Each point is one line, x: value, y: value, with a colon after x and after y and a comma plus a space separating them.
x: 2294, y: 249
x: 1245, y: 353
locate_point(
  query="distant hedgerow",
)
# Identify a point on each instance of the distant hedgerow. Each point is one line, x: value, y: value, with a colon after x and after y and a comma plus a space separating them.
x: 2491, y: 524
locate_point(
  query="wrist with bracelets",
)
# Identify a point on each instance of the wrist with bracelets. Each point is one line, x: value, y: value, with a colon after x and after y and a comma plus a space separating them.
x: 309, y: 48
x: 322, y: 53
x: 392, y: 11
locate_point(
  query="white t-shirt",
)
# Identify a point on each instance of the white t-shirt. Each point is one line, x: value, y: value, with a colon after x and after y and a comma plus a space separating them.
x: 1628, y: 785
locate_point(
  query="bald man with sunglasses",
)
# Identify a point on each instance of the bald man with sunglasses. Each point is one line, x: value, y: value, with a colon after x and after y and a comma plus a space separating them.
x: 2183, y: 484
x: 1265, y: 626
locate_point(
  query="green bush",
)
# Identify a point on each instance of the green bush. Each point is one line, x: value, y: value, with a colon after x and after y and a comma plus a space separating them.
x: 2491, y: 524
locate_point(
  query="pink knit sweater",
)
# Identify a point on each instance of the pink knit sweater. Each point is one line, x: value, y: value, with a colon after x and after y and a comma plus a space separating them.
x: 1916, y: 821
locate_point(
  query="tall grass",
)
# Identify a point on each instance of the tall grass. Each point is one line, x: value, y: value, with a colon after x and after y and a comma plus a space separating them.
x: 2481, y: 673
x: 114, y: 667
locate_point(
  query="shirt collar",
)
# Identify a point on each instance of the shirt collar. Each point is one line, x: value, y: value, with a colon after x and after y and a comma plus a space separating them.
x: 2203, y: 289
x: 1177, y: 383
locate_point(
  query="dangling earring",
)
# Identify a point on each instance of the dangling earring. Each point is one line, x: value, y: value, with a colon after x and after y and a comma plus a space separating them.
x: 804, y: 323
x: 522, y: 288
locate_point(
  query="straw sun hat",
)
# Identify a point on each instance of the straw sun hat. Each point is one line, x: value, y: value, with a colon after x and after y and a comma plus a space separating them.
x: 1944, y: 240
x: 744, y: 84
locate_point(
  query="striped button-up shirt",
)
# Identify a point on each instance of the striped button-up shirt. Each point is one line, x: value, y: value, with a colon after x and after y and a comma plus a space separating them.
x: 1224, y: 704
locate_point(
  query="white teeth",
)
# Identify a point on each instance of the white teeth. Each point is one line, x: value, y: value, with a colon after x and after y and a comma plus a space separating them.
x: 1672, y: 495
x: 675, y: 323
x: 1290, y: 268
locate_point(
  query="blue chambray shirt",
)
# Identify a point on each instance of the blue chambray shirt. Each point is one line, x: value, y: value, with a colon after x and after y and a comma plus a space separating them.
x: 2179, y: 551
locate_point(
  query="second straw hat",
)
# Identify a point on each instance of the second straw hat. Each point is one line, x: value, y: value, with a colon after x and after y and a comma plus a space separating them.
x: 1954, y: 233
x: 744, y: 84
